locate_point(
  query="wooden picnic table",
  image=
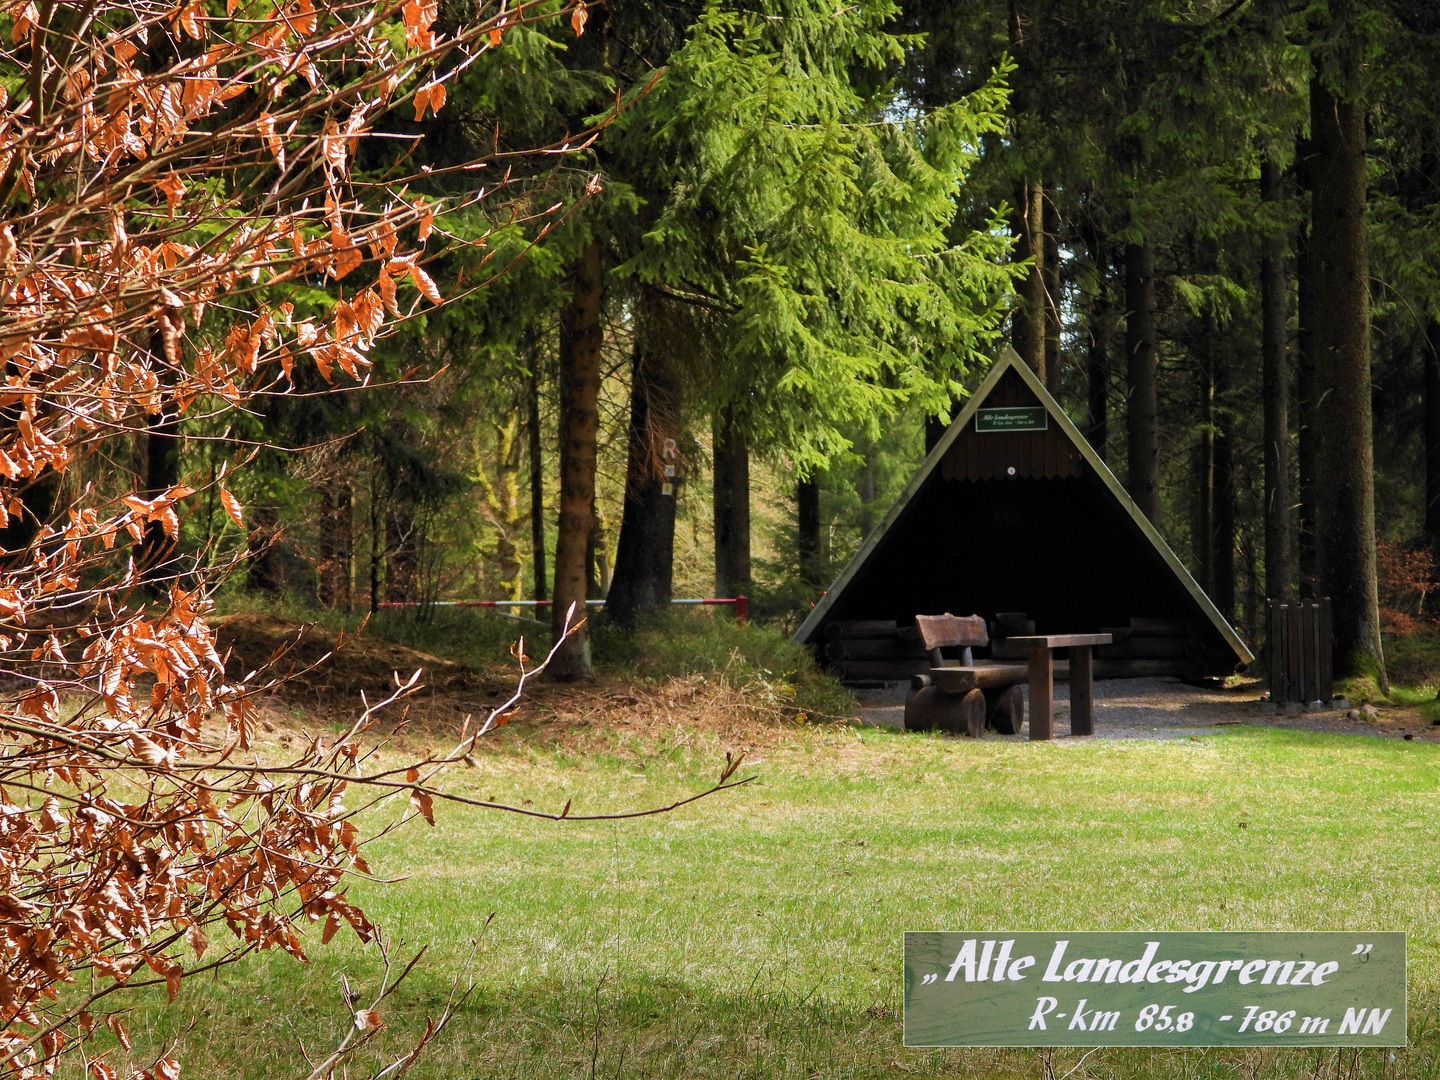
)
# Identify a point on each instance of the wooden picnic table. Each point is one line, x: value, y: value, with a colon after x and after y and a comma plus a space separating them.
x: 1042, y: 680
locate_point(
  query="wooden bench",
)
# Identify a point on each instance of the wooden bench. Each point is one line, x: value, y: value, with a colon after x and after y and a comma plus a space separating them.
x: 963, y: 695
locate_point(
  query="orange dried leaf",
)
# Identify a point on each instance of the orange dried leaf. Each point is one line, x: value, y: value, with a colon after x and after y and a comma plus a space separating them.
x: 421, y: 801
x: 387, y: 296
x: 323, y: 363
x: 368, y: 1019
x: 333, y: 143
x: 25, y: 21
x: 424, y: 283
x: 189, y: 18
x: 578, y: 18
x: 151, y: 754
x: 347, y: 255
x: 196, y: 939
x: 174, y: 190
x: 232, y: 507
x: 118, y: 1030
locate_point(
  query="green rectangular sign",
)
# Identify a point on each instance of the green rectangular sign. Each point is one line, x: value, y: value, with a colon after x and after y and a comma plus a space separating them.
x: 1012, y: 418
x: 994, y: 988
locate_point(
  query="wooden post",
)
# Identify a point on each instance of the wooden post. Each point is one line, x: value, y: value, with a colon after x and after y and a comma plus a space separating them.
x: 1082, y: 696
x: 1327, y: 673
x: 1314, y: 647
x: 1042, y: 692
x: 1295, y: 677
x: 1275, y: 642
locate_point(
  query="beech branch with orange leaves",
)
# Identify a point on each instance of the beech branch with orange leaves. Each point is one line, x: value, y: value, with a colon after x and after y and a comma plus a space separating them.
x: 168, y: 177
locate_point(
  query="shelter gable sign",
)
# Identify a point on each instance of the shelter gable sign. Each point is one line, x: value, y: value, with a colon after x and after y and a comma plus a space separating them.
x: 1010, y: 438
x: 1011, y: 418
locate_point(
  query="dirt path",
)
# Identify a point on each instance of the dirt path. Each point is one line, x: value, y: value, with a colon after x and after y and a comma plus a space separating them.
x: 1170, y: 709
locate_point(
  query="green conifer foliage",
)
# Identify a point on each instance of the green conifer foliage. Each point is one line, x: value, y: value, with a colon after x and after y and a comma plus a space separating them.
x: 812, y: 216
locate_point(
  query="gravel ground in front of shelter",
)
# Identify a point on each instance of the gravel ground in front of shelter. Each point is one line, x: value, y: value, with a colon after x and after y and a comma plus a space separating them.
x: 1165, y: 708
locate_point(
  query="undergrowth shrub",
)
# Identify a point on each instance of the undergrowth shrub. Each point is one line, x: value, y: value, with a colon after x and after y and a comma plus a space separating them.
x: 1413, y: 661
x: 756, y: 658
x: 1404, y: 577
x: 471, y: 636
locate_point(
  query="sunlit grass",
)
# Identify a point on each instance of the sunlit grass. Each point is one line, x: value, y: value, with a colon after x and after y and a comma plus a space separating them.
x: 758, y: 932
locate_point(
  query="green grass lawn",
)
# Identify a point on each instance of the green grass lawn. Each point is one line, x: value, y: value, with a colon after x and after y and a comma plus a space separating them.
x: 757, y: 933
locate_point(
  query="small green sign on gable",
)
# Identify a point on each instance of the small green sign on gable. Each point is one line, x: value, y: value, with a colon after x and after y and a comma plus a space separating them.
x: 1012, y: 418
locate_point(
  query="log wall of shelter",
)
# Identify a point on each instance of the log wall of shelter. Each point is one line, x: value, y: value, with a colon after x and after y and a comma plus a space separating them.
x: 863, y: 652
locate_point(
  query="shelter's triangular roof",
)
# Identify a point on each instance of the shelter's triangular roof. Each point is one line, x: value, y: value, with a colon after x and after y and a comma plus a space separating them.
x: 1010, y: 361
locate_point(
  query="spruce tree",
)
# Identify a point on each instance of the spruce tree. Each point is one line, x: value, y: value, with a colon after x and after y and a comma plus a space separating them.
x: 787, y: 201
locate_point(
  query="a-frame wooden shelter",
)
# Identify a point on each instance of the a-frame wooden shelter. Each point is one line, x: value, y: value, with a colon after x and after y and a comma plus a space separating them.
x: 1013, y: 511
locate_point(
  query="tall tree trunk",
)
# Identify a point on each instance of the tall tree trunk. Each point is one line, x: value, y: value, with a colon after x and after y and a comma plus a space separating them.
x: 592, y: 580
x: 1205, y: 479
x: 337, y: 541
x: 1432, y: 434
x: 377, y: 544
x: 866, y: 488
x: 1142, y: 434
x: 1223, y: 549
x: 1345, y: 511
x: 598, y: 576
x: 1097, y: 354
x: 731, y: 505
x: 265, y: 573
x: 1050, y: 219
x: 1027, y: 221
x: 807, y: 520
x: 499, y: 501
x: 645, y: 559
x: 1431, y: 402
x: 1275, y: 390
x: 537, y: 481
x: 162, y: 472
x: 580, y: 340
x: 402, y: 550
x: 1307, y: 433
x: 1028, y: 319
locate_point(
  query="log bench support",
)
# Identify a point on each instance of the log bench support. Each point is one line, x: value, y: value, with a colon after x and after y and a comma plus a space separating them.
x: 963, y: 696
x: 967, y: 696
x: 966, y: 706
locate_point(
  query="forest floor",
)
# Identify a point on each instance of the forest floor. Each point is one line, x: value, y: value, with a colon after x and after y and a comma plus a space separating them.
x: 325, y: 681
